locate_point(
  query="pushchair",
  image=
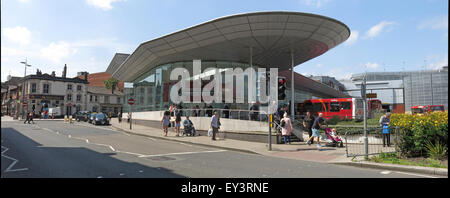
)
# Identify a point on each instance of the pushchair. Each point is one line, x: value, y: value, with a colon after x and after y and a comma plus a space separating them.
x: 335, y: 142
x: 189, y: 129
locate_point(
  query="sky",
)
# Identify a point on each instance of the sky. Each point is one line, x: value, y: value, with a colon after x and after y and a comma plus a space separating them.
x: 386, y: 35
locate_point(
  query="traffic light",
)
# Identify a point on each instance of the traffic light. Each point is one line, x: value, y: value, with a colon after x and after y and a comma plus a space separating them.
x: 281, y: 88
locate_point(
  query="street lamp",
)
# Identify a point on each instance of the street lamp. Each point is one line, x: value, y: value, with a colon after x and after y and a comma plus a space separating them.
x: 23, y: 87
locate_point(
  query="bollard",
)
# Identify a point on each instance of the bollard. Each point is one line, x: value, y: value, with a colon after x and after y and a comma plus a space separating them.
x: 70, y: 120
x: 65, y: 119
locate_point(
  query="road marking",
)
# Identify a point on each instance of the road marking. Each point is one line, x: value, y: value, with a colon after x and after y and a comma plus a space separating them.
x: 141, y: 171
x: 184, y: 144
x: 416, y: 174
x: 183, y: 153
x: 12, y: 164
x: 385, y: 172
x: 129, y: 153
x: 99, y: 177
x: 121, y: 174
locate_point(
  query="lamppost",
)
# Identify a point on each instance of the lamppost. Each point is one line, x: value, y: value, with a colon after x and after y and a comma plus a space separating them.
x: 23, y: 87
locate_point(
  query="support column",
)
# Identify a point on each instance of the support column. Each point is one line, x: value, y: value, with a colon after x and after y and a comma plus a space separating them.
x: 292, y: 87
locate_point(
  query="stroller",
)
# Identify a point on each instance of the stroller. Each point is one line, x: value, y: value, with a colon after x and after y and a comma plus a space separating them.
x: 335, y: 142
x: 189, y: 129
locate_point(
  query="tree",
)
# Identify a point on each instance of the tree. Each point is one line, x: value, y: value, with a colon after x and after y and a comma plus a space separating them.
x: 111, y: 83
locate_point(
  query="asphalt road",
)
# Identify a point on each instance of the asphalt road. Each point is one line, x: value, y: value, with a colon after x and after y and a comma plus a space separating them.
x: 53, y: 149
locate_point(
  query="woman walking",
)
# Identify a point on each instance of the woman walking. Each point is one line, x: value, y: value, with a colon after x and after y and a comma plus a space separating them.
x: 177, y: 123
x: 165, y: 122
x: 308, y: 121
x: 286, y: 128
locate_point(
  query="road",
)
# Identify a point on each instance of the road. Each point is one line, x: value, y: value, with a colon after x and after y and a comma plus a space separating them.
x: 53, y: 149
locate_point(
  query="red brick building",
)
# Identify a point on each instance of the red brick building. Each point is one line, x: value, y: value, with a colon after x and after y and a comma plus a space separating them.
x: 96, y: 79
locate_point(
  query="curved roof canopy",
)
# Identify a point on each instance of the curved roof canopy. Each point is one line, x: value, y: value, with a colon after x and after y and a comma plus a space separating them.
x: 271, y: 35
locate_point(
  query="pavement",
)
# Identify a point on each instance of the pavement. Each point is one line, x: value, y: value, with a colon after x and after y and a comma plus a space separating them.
x: 296, y: 150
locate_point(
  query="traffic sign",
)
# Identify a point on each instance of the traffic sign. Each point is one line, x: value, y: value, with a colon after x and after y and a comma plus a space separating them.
x: 131, y: 101
x: 371, y: 95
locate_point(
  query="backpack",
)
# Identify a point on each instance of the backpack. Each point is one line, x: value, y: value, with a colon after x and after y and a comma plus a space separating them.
x: 283, y: 123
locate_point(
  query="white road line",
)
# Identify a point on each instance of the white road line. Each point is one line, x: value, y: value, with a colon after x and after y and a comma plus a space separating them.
x: 416, y: 174
x: 12, y: 164
x: 184, y: 144
x: 385, y: 172
x: 183, y: 153
x: 129, y: 153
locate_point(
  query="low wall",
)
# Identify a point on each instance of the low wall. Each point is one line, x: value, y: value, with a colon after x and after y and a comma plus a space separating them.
x: 204, y: 123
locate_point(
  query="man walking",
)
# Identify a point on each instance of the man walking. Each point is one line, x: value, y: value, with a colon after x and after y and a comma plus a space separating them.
x: 215, y: 124
x: 318, y: 124
x: 384, y: 123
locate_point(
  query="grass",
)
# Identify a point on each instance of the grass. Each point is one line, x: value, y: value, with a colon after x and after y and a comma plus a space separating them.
x: 394, y: 158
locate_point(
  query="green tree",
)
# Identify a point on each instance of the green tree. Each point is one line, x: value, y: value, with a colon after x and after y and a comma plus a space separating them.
x: 111, y: 83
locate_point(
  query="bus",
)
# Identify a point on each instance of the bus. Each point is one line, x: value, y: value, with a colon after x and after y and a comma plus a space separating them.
x: 423, y: 109
x: 345, y: 108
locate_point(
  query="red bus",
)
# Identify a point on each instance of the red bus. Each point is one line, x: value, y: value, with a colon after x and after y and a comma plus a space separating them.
x: 374, y: 104
x: 345, y: 108
x: 423, y: 109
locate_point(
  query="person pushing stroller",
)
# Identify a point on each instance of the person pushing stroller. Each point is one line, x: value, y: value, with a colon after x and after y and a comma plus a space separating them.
x: 189, y: 129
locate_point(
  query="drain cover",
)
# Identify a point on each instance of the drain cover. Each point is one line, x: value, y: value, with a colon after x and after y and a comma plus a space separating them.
x: 161, y: 158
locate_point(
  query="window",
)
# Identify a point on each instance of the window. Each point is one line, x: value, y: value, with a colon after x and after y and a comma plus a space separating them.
x: 118, y: 100
x: 33, y: 101
x: 46, y: 89
x: 320, y: 107
x: 69, y: 97
x: 78, y: 87
x: 96, y: 99
x: 346, y: 106
x: 104, y: 109
x: 78, y: 98
x: 334, y: 107
x: 90, y: 98
x: 106, y: 99
x: 78, y: 108
x: 33, y: 87
x: 69, y: 87
x: 94, y: 109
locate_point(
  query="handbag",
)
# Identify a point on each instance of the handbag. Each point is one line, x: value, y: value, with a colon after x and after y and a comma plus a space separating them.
x: 210, y: 132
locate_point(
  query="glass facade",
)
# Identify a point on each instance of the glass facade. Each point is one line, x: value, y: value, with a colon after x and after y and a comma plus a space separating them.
x: 151, y: 91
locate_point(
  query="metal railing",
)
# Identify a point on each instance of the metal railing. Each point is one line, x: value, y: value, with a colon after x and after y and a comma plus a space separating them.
x: 239, y: 114
x: 354, y: 140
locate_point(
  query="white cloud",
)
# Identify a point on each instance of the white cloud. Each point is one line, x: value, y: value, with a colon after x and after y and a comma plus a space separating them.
x: 319, y: 65
x: 103, y: 4
x: 371, y: 65
x: 55, y: 52
x: 353, y: 38
x: 436, y: 23
x: 315, y: 3
x: 377, y: 29
x: 18, y: 34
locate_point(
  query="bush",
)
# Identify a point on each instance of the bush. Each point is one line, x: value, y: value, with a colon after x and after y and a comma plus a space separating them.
x: 417, y: 130
x: 437, y: 151
x: 334, y: 120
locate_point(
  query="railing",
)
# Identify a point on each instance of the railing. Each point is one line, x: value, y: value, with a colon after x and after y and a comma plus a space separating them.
x: 254, y: 115
x: 354, y: 140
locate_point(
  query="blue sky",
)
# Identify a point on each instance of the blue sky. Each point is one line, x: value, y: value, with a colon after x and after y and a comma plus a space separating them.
x: 84, y: 34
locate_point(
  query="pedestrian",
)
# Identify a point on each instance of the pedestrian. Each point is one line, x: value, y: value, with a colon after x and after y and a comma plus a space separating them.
x: 27, y: 118
x: 128, y: 117
x: 119, y: 117
x: 177, y: 123
x: 215, y: 124
x: 384, y: 123
x: 189, y: 128
x: 197, y: 111
x: 165, y: 121
x: 31, y: 118
x: 286, y: 128
x: 308, y: 121
x: 319, y: 123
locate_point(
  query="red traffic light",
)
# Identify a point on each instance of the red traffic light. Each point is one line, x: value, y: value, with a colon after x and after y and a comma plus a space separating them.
x: 282, y: 81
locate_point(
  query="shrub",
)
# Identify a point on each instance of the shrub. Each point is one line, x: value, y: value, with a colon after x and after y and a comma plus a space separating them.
x: 417, y: 130
x: 437, y: 151
x: 334, y: 120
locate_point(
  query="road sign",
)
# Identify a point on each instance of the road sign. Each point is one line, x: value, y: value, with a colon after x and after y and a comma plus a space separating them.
x: 131, y: 101
x: 371, y: 95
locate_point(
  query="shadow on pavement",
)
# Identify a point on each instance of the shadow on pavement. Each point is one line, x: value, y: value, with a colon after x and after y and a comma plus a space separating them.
x: 67, y: 162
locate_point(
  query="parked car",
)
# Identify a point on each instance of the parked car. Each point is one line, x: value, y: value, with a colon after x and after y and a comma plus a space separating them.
x: 81, y: 116
x: 91, y: 117
x: 101, y: 118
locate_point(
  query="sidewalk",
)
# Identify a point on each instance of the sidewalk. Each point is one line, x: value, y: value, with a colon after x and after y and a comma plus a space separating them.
x: 296, y: 150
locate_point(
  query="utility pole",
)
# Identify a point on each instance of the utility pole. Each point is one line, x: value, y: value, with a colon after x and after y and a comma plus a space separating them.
x: 363, y: 94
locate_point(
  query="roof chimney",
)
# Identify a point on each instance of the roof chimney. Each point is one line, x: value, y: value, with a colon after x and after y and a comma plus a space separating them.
x: 64, y: 71
x: 53, y: 74
x: 86, y: 76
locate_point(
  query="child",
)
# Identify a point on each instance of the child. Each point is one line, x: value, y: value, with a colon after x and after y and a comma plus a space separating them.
x: 334, y: 134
